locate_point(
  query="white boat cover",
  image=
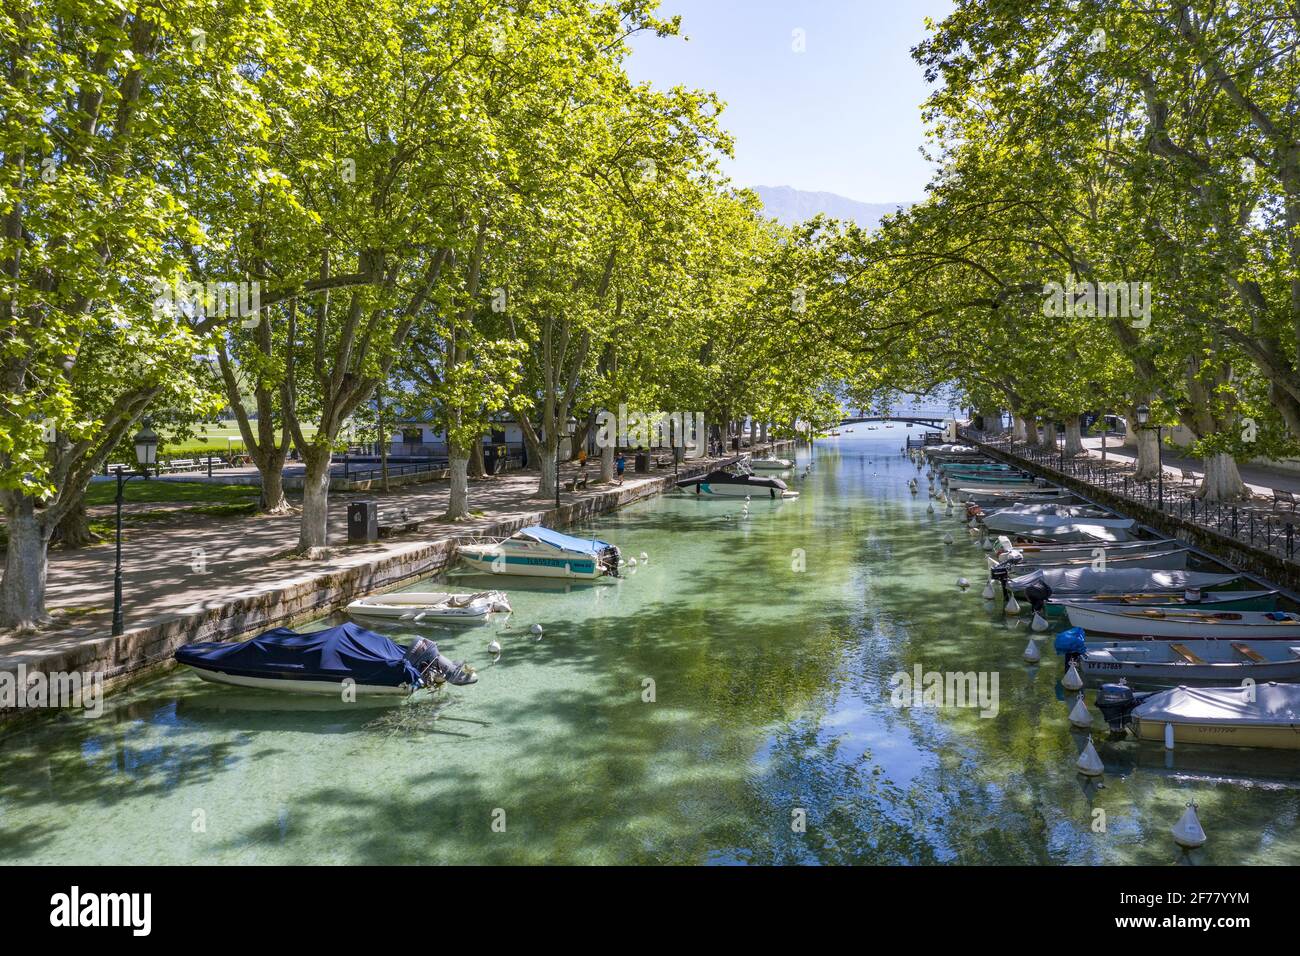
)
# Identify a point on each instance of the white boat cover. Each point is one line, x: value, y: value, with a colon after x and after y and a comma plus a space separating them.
x: 1013, y: 522
x: 1273, y: 704
x: 1052, y: 508
x: 1065, y: 581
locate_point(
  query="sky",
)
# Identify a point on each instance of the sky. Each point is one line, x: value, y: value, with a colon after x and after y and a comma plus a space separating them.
x: 843, y: 116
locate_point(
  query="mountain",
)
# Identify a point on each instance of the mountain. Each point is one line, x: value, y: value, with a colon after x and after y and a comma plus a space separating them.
x: 789, y: 205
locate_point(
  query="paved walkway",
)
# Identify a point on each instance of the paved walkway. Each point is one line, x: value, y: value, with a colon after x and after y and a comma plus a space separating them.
x: 1259, y: 478
x: 170, y: 569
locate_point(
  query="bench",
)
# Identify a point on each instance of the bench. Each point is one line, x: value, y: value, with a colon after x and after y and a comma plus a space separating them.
x: 1283, y: 497
x: 1249, y: 652
x: 401, y: 522
x: 1190, y: 477
x: 573, y: 484
x: 1185, y: 653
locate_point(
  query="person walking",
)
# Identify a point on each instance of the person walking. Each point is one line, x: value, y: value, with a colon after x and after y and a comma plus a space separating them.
x: 620, y: 464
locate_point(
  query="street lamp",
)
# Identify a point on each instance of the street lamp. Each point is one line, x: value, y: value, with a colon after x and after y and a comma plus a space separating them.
x: 146, y: 454
x: 566, y: 430
x: 1144, y: 418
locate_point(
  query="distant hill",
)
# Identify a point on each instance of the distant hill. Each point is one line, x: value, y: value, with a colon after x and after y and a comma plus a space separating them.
x: 789, y: 205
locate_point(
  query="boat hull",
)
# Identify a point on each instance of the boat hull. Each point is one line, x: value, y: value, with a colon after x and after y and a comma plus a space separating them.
x: 290, y: 686
x: 1279, y: 737
x: 1108, y: 664
x: 495, y: 561
x: 1250, y: 601
x: 1134, y: 623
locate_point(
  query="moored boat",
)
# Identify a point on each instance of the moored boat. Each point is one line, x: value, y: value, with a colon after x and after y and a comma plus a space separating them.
x: 1218, y: 600
x: 1068, y: 582
x: 1254, y: 715
x: 1184, y: 622
x: 540, y: 552
x: 726, y: 484
x: 339, y: 661
x: 1202, y: 660
x: 1169, y: 560
x: 432, y: 607
x: 771, y: 464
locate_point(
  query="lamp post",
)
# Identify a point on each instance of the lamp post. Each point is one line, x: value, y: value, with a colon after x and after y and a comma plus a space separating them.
x: 566, y: 430
x: 146, y: 454
x: 1144, y: 417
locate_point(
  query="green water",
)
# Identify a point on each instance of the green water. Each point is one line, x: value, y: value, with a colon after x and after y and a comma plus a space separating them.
x: 771, y: 705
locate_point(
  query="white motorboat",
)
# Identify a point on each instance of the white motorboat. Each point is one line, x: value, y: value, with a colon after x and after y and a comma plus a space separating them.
x: 1184, y: 622
x: 1175, y: 560
x: 771, y: 464
x: 1047, y: 553
x: 1046, y: 525
x: 540, y: 552
x: 1223, y: 661
x: 432, y: 607
x: 1069, y: 582
x: 727, y: 484
x: 1254, y: 715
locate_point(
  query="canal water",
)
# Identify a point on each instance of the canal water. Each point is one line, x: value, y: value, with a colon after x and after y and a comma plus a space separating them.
x: 727, y: 702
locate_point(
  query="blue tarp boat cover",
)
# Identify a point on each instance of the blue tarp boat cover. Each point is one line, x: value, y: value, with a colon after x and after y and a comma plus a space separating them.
x: 333, y: 654
x: 563, y: 541
x: 1071, y: 641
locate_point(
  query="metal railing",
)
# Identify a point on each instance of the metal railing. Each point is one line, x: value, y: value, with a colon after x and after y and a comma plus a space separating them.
x: 1258, y: 526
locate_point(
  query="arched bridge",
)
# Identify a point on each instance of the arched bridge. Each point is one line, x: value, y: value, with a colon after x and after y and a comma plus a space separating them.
x: 936, y: 423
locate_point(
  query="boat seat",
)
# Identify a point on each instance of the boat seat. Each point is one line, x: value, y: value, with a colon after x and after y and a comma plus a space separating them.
x: 1249, y: 652
x: 1182, y: 651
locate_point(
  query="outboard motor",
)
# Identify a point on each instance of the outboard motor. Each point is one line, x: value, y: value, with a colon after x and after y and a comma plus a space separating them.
x: 435, y: 669
x: 1002, y: 574
x: 1116, y: 703
x: 422, y: 654
x: 609, y: 557
x: 1037, y: 595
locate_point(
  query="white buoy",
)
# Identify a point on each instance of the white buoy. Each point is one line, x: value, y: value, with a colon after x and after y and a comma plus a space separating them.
x: 1072, y: 680
x: 1012, y: 607
x: 644, y: 557
x: 948, y: 507
x: 929, y: 508
x: 947, y: 537
x: 1089, y: 762
x: 631, y: 562
x: 986, y: 544
x: 494, y: 646
x: 1169, y: 736
x: 1039, y: 623
x: 1188, y: 832
x: 1032, y: 653
x: 1080, y: 716
x: 418, y: 618
x: 988, y: 590
x: 746, y: 499
x: 536, y: 629
x: 963, y: 583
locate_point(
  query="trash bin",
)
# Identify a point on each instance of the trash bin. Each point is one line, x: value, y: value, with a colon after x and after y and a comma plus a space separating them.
x: 735, y: 444
x: 363, y: 522
x: 642, y: 463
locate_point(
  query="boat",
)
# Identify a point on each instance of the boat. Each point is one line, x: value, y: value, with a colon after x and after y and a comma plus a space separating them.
x: 963, y: 491
x: 727, y: 484
x: 771, y: 464
x: 541, y: 552
x: 1180, y: 622
x: 1175, y: 560
x: 1032, y: 552
x: 1053, y: 508
x: 432, y: 607
x: 980, y: 479
x: 1256, y: 715
x: 339, y: 661
x: 1060, y: 529
x: 997, y: 500
x: 1068, y: 582
x: 1218, y: 600
x: 1212, y: 660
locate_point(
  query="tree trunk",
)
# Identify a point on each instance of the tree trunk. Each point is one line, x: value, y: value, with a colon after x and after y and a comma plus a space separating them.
x: 314, y: 529
x: 1019, y: 429
x: 753, y: 432
x: 73, y: 530
x: 22, y: 593
x: 762, y: 433
x: 1222, y: 480
x: 546, y: 463
x: 272, y: 499
x: 1148, y: 454
x: 1031, y: 432
x: 992, y: 419
x: 458, y: 501
x: 477, y: 467
x: 1049, y: 436
x: 607, y: 455
x: 1074, y: 438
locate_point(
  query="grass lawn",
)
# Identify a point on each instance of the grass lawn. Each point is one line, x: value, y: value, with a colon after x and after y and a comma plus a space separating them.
x: 216, y: 438
x: 105, y: 492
